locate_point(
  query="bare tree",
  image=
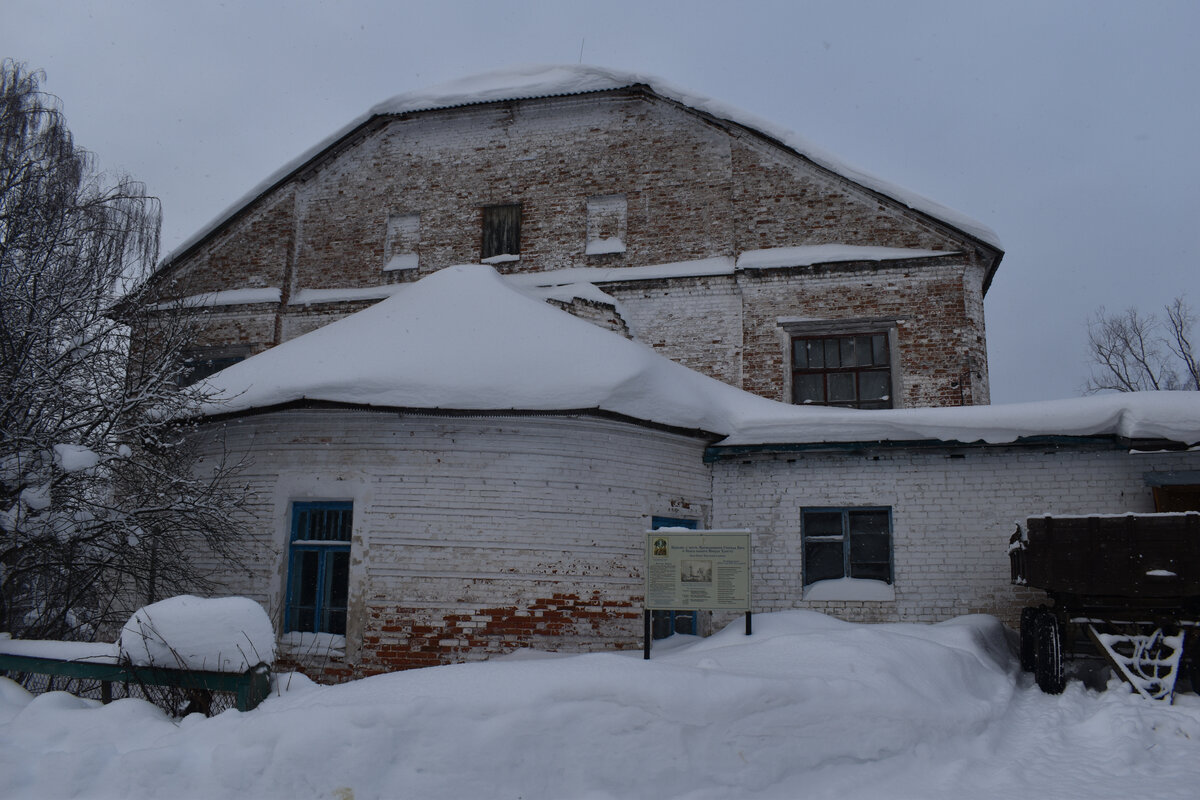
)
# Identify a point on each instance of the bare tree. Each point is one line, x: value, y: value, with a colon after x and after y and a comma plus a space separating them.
x: 100, y: 502
x: 1134, y: 352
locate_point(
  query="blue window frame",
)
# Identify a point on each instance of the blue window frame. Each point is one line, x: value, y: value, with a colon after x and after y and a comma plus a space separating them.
x: 847, y: 543
x: 665, y: 623
x: 319, y: 567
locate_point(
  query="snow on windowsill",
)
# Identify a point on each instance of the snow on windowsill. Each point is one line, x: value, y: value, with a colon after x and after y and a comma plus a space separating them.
x: 850, y: 589
x: 302, y: 643
x: 599, y: 247
x: 503, y: 258
x: 401, y: 261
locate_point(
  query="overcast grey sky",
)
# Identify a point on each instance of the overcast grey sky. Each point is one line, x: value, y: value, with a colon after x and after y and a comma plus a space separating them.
x: 1070, y: 128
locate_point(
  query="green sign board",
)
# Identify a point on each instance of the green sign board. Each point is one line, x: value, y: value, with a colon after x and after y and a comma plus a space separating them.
x: 703, y: 570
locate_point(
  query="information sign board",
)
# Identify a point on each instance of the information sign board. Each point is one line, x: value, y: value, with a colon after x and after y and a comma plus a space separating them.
x: 703, y: 570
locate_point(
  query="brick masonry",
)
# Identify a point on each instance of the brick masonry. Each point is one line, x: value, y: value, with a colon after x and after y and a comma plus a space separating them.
x: 473, y: 536
x: 694, y: 188
x: 952, y: 514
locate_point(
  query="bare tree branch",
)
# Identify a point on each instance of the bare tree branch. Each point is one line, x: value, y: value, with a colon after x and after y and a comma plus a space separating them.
x: 100, y: 501
x: 1132, y: 352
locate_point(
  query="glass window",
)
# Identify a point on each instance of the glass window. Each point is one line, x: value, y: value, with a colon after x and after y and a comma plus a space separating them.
x: 319, y: 567
x: 846, y: 543
x: 850, y: 371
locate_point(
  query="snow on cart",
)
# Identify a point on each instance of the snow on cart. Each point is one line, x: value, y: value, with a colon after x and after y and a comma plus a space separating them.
x: 1127, y: 585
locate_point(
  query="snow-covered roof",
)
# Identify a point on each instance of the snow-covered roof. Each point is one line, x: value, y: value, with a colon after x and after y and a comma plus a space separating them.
x: 534, y: 81
x: 1172, y: 416
x: 464, y: 339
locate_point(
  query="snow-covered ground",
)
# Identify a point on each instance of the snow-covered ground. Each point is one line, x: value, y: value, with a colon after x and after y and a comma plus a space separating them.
x: 807, y: 707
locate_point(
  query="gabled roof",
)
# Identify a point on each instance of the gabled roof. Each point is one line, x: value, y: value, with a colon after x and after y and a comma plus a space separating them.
x: 537, y: 81
x: 466, y: 339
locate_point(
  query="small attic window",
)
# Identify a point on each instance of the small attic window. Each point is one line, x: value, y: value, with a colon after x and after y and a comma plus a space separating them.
x: 606, y: 222
x: 403, y: 236
x: 501, y: 234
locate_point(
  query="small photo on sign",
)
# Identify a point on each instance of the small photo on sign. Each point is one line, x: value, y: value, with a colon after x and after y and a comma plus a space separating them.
x: 694, y: 571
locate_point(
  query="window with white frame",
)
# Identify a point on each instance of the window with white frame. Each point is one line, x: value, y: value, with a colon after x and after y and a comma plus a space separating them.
x: 851, y: 542
x: 318, y: 579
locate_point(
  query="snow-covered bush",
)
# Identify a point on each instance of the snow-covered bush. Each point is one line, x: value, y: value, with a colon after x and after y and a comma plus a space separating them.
x: 223, y: 634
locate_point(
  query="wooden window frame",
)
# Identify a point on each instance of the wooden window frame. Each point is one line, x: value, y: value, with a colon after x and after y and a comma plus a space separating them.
x: 879, y: 363
x: 321, y: 555
x: 501, y: 232
x: 846, y: 537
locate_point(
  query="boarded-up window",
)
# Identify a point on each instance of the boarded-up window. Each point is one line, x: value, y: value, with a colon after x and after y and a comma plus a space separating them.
x: 606, y: 224
x: 403, y: 237
x: 1183, y: 497
x: 501, y: 233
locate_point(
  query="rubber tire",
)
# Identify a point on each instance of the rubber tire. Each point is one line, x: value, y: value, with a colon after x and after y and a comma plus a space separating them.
x: 1048, y: 666
x: 1028, y: 635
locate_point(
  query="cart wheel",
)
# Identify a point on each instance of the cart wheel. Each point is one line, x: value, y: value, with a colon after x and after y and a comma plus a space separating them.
x: 1029, y: 618
x: 1048, y: 667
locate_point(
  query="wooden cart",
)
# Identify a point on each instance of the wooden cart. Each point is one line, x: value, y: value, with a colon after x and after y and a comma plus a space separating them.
x: 1127, y: 587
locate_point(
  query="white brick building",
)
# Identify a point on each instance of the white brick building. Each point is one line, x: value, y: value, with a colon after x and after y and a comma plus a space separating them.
x: 444, y: 469
x: 468, y: 501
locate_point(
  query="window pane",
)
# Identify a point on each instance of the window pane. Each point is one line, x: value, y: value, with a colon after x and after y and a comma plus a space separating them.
x: 304, y: 590
x: 862, y: 347
x: 808, y: 389
x: 879, y: 349
x: 870, y: 548
x: 873, y: 572
x: 816, y: 353
x: 832, y: 361
x: 822, y: 523
x: 863, y: 521
x: 823, y: 561
x: 847, y: 350
x: 799, y: 354
x: 873, y: 386
x: 841, y: 387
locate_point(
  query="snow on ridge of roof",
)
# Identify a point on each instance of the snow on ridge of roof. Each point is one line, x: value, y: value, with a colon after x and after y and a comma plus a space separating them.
x: 464, y: 339
x: 539, y: 80
x: 1171, y: 416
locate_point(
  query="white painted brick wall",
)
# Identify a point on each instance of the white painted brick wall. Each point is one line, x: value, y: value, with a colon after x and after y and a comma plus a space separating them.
x: 454, y: 516
x: 952, y: 517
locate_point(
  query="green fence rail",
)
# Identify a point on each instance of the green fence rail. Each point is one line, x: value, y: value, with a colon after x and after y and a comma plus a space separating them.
x: 250, y: 687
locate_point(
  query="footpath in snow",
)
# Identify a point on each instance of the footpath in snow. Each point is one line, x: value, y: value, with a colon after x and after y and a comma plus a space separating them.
x: 807, y: 707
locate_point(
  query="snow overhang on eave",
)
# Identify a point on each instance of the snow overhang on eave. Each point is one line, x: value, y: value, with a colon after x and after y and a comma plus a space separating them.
x: 404, y: 411
x: 718, y: 452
